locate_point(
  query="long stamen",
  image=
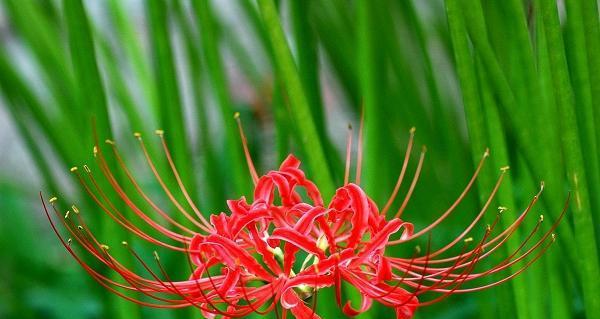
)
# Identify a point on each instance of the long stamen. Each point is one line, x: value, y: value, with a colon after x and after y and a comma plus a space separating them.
x: 138, y: 188
x: 107, y: 172
x: 414, y: 293
x: 251, y: 167
x: 474, y: 222
x: 120, y: 219
x: 166, y: 275
x: 397, y: 284
x: 413, y: 184
x: 359, y: 155
x: 518, y: 272
x: 159, y: 179
x: 160, y: 134
x: 105, y: 282
x: 208, y: 300
x: 348, y: 155
x: 456, y: 202
x: 504, y: 235
x: 402, y: 172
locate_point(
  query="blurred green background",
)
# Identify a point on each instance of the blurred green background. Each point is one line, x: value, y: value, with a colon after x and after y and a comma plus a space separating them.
x: 519, y: 77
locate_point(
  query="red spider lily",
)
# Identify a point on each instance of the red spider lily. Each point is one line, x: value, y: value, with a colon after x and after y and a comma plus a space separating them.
x: 276, y: 251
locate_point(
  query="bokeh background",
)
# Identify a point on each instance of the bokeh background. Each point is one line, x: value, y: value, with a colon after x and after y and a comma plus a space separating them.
x: 521, y: 77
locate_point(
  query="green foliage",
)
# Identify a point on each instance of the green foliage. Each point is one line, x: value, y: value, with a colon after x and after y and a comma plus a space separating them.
x: 468, y: 74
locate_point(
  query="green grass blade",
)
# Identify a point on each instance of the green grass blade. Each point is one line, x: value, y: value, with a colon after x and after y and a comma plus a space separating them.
x: 370, y: 66
x: 166, y: 87
x: 210, y: 39
x: 117, y: 84
x: 581, y: 208
x: 483, y: 128
x: 308, y: 60
x: 91, y: 95
x: 213, y: 196
x: 300, y: 109
x: 548, y: 114
x: 576, y: 52
x: 44, y: 40
x: 16, y: 85
x: 308, y: 67
x: 131, y: 43
x: 591, y: 24
x: 336, y: 33
x: 519, y: 122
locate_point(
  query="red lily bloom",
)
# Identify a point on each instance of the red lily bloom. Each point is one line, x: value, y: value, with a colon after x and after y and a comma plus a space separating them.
x: 247, y: 261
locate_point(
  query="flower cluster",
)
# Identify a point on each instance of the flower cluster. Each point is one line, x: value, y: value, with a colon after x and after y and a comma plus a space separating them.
x: 276, y: 251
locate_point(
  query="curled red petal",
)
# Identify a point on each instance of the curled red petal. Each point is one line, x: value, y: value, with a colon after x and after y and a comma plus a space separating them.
x: 350, y: 311
x: 297, y: 239
x: 233, y: 255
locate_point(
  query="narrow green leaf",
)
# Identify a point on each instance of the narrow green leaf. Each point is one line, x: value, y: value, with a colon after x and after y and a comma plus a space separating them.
x: 308, y: 67
x: 576, y: 53
x: 591, y: 24
x: 577, y: 177
x: 131, y: 42
x: 45, y: 41
x: 481, y: 132
x: 216, y: 72
x: 299, y: 103
x: 370, y: 66
x: 519, y: 122
x: 166, y: 88
x: 213, y: 196
x: 91, y: 96
x: 337, y: 35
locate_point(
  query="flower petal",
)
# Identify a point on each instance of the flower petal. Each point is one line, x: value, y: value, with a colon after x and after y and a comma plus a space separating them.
x: 233, y: 255
x: 297, y: 239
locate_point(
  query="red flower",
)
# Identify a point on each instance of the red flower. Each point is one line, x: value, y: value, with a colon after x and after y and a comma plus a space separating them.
x: 274, y: 252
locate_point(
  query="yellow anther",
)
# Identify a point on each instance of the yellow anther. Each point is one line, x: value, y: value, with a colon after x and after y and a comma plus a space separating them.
x: 468, y: 240
x: 156, y: 255
x: 87, y: 169
x: 488, y: 228
x: 424, y: 149
x: 418, y: 249
x: 236, y: 115
x: 159, y: 132
x: 111, y: 142
x: 541, y: 218
x: 322, y: 243
x: 75, y: 209
x: 504, y: 168
x: 95, y: 150
x: 137, y: 135
x: 412, y: 130
x: 73, y: 169
x: 553, y: 236
x: 79, y: 227
x: 104, y: 247
x: 502, y: 209
x: 69, y: 241
x: 67, y: 214
x: 52, y: 200
x: 124, y: 243
x: 486, y: 153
